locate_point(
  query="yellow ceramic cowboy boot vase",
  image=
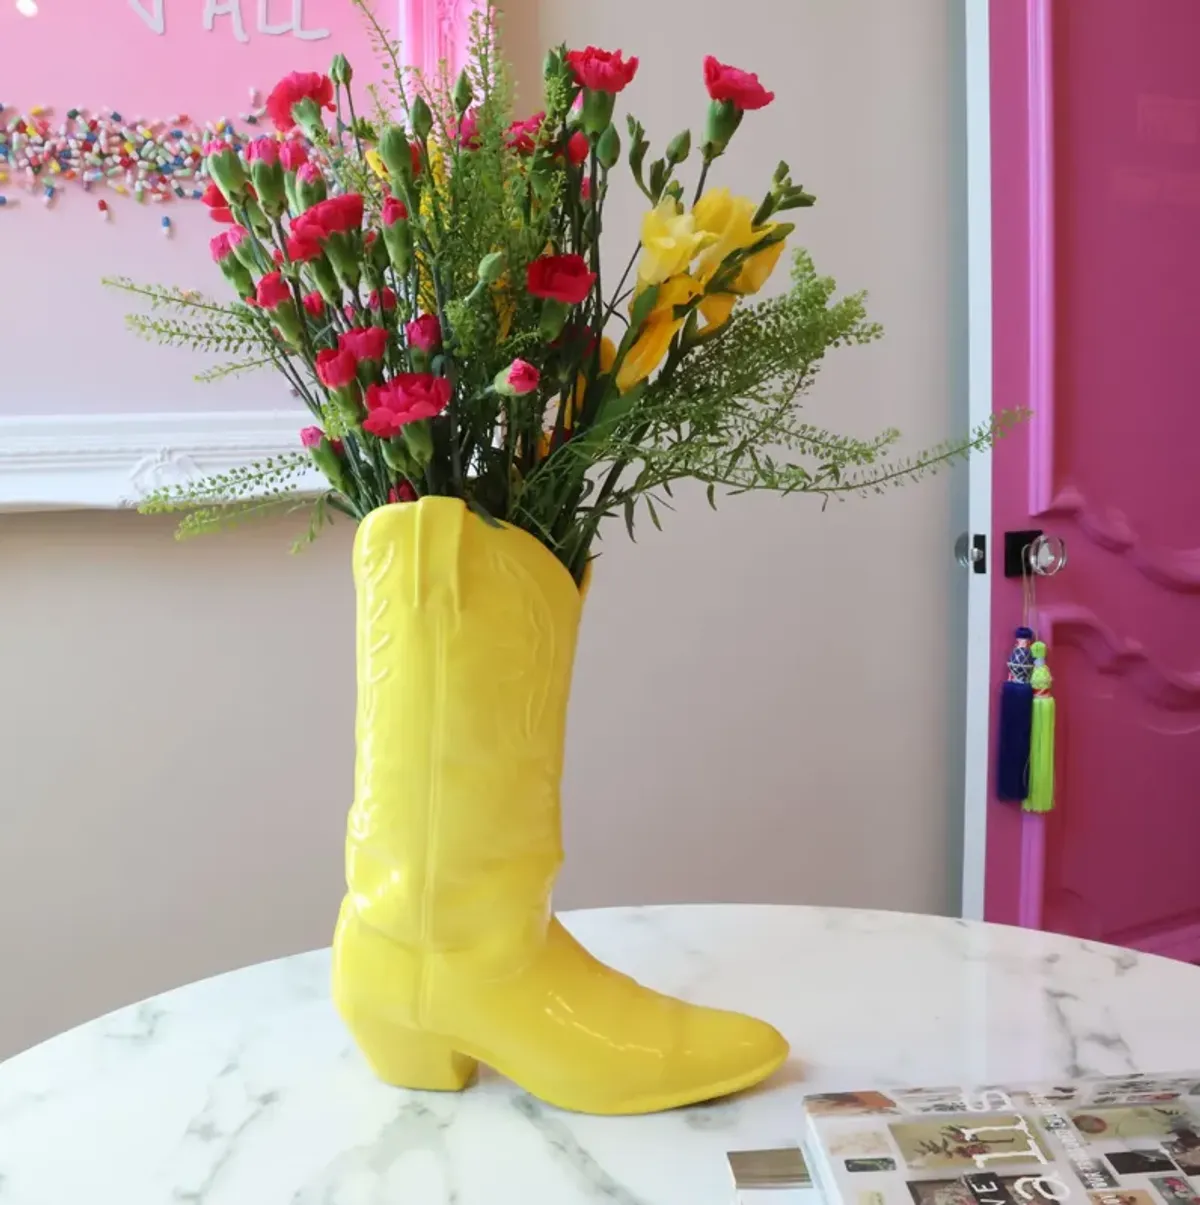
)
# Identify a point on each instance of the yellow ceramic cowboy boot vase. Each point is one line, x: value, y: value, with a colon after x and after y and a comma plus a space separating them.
x: 446, y: 953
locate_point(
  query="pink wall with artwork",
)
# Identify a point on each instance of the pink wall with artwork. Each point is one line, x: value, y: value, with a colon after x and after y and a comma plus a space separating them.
x: 151, y: 60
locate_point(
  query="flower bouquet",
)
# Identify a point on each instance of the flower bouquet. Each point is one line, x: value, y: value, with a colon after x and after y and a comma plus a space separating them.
x: 430, y: 277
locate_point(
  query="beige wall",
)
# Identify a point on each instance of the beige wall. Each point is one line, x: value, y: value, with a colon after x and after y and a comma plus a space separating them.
x: 762, y: 705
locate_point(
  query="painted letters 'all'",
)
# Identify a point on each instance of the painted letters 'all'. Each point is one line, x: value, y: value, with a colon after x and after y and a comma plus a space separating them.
x: 266, y: 17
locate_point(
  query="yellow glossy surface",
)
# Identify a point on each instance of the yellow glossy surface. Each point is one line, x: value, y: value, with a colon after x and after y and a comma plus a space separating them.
x: 446, y: 952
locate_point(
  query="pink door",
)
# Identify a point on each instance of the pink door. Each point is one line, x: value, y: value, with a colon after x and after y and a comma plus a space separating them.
x: 1096, y: 299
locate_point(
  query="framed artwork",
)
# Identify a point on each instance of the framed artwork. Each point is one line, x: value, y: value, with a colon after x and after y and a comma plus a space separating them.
x: 106, y: 106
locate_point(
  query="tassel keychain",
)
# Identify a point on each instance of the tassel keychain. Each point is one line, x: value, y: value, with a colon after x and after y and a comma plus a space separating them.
x: 1016, y: 722
x: 1041, y: 745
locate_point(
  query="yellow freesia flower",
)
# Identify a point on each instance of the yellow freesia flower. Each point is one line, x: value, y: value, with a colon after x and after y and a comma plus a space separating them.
x: 670, y: 241
x: 661, y: 327
x: 716, y: 309
x: 375, y: 162
x: 730, y: 222
x: 756, y: 271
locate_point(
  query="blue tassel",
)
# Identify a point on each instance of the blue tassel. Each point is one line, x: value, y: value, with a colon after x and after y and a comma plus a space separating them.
x: 1016, y: 727
x: 1016, y: 722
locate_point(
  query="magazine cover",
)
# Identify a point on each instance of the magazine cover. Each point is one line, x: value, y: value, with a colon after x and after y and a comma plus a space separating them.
x: 1130, y: 1140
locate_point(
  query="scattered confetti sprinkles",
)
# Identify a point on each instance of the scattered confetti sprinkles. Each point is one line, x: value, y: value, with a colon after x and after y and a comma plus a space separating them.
x: 149, y: 161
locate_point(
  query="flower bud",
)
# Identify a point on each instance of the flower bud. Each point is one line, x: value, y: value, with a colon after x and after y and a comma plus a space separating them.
x: 491, y: 268
x: 608, y: 149
x: 340, y: 71
x: 422, y: 120
x: 399, y: 242
x: 680, y: 147
x: 463, y: 94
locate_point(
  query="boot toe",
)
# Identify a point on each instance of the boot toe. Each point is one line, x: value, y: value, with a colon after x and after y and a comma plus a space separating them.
x: 724, y: 1052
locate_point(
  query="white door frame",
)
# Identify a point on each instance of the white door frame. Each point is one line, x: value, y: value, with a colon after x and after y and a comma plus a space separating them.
x: 976, y: 786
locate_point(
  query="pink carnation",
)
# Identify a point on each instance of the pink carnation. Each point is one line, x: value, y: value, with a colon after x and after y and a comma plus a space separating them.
x: 294, y: 88
x: 407, y: 398
x: 424, y: 333
x: 523, y: 377
x: 293, y: 154
x: 364, y: 344
x: 263, y: 150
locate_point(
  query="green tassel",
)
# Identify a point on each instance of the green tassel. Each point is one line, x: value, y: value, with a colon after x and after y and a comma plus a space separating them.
x: 1041, y: 744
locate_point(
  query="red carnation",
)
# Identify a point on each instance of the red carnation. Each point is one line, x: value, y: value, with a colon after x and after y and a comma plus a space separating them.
x: 466, y: 132
x: 403, y: 492
x: 311, y: 437
x: 346, y: 212
x: 394, y: 210
x: 562, y: 278
x: 364, y: 344
x: 601, y: 70
x: 424, y: 333
x: 296, y: 87
x: 741, y: 88
x: 314, y: 305
x: 272, y: 291
x: 293, y: 154
x: 337, y: 215
x: 522, y: 136
x: 578, y: 147
x: 218, y: 207
x: 388, y: 299
x: 220, y: 247
x: 336, y: 369
x: 302, y: 245
x: 407, y: 398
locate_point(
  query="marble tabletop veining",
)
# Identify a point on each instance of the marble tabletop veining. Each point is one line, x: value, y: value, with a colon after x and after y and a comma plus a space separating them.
x: 246, y: 1090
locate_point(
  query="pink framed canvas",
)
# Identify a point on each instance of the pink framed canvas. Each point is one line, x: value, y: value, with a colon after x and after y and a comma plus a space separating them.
x: 90, y: 416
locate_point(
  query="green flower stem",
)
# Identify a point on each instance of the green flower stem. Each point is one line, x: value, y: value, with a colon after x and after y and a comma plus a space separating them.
x: 354, y: 123
x: 703, y: 180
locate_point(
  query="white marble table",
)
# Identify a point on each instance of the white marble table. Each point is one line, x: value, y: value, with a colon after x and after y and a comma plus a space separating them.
x: 246, y: 1090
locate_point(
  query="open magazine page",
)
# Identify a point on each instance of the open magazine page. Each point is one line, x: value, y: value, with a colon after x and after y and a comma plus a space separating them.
x: 1112, y: 1141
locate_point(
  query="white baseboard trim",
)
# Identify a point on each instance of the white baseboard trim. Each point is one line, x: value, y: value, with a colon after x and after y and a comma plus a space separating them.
x: 80, y: 462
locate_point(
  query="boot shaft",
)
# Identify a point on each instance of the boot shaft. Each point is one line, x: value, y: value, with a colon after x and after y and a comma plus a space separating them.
x: 466, y: 640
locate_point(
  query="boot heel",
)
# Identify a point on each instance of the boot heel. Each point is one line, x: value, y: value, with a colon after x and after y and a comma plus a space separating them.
x: 408, y: 1058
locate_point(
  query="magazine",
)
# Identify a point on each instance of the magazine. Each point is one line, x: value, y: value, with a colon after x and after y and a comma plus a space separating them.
x: 1116, y: 1140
